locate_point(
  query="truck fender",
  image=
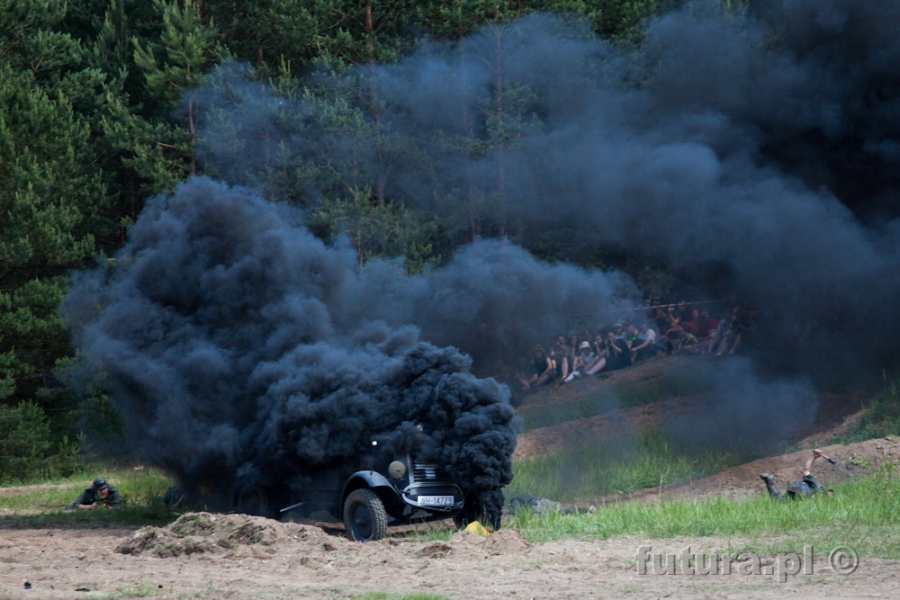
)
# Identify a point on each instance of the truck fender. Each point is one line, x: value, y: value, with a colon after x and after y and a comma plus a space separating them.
x: 372, y: 479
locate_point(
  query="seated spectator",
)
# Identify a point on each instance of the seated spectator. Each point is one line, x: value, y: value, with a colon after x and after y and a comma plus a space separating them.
x: 543, y: 370
x: 678, y: 314
x: 645, y: 345
x: 740, y: 333
x: 556, y: 360
x: 599, y: 344
x: 601, y: 353
x: 705, y: 325
x: 631, y: 335
x: 689, y: 320
x: 676, y: 337
x: 572, y: 348
x: 618, y: 354
x: 561, y: 356
x: 585, y: 360
x: 717, y: 338
x: 745, y: 329
x: 661, y: 318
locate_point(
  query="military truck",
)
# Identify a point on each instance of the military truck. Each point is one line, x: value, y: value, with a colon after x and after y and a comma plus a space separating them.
x: 369, y: 495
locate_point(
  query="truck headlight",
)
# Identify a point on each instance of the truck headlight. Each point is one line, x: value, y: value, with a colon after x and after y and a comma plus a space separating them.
x: 396, y: 469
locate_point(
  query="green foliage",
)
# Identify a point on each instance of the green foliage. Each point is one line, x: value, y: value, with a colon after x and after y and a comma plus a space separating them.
x: 186, y: 47
x: 880, y: 418
x: 376, y: 230
x: 174, y: 65
x: 53, y: 190
x: 26, y: 450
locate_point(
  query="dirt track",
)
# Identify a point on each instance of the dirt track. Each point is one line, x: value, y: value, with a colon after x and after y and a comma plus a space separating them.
x: 248, y: 557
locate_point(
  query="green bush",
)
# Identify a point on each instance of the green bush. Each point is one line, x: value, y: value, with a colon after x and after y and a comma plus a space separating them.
x: 880, y: 418
x: 26, y: 446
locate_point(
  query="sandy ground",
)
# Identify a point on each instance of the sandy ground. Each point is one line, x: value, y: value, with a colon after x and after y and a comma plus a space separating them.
x: 248, y: 557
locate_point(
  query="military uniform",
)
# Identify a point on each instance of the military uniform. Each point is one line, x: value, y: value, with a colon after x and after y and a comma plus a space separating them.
x: 805, y: 488
x: 91, y: 495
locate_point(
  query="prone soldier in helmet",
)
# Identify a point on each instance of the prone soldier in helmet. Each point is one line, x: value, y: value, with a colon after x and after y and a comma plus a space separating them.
x: 100, y: 493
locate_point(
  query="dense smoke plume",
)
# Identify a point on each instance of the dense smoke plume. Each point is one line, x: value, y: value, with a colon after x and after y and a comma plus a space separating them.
x: 754, y: 144
x: 242, y: 349
x: 763, y: 143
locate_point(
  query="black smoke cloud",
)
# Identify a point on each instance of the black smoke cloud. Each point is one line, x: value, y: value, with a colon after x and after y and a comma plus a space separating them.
x: 758, y: 144
x: 762, y: 141
x: 242, y: 350
x: 753, y: 141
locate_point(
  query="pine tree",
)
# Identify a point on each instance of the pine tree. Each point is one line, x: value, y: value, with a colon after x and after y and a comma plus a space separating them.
x: 53, y: 189
x: 173, y: 66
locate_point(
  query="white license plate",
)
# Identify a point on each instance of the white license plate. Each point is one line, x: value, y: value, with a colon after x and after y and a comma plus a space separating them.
x: 436, y: 500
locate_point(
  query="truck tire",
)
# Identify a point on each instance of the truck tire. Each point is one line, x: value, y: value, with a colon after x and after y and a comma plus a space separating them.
x: 364, y: 516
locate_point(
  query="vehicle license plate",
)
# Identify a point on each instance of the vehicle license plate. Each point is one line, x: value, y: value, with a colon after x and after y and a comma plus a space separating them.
x: 436, y: 500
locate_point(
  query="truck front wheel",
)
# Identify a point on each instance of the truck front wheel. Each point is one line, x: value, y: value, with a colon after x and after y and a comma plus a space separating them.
x: 364, y: 516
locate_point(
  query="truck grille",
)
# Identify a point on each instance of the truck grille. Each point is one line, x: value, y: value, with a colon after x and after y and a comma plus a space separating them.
x: 427, y: 471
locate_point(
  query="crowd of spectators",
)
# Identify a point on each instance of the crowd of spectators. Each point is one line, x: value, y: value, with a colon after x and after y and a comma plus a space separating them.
x: 683, y: 328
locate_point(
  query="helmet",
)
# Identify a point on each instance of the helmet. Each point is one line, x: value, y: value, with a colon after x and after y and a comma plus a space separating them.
x: 100, y: 484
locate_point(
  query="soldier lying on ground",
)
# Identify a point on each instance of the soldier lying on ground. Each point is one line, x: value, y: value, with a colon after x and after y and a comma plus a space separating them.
x: 99, y: 493
x: 543, y: 506
x: 806, y: 487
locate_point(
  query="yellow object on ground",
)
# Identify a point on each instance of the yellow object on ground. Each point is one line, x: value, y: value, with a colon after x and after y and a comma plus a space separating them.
x: 476, y: 527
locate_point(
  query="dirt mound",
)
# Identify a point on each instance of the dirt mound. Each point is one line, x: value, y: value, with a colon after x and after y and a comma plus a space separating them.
x: 502, y: 542
x: 204, y: 532
x: 435, y: 550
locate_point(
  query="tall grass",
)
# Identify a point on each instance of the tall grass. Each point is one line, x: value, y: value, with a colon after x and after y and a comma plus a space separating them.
x: 863, y: 514
x: 616, y: 465
x: 40, y: 505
